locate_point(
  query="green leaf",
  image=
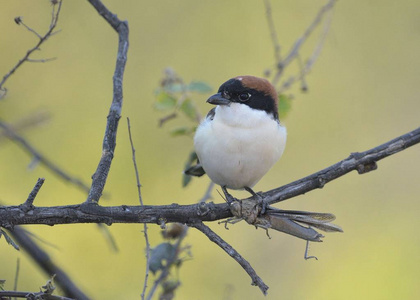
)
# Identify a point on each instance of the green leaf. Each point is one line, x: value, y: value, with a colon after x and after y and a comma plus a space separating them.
x: 163, y: 252
x: 9, y: 239
x: 284, y: 105
x: 192, y: 160
x: 2, y: 282
x: 175, y: 87
x: 181, y: 131
x: 165, y: 101
x: 199, y: 87
x: 188, y: 108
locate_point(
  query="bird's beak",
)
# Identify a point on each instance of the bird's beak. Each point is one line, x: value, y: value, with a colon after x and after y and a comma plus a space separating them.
x: 218, y: 99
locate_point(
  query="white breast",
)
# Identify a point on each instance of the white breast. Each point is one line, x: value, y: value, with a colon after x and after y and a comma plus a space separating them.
x: 239, y: 145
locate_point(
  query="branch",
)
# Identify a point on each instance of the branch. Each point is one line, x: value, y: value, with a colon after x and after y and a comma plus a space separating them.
x: 22, y: 142
x: 306, y: 68
x: 294, y: 51
x: 146, y: 237
x: 273, y: 33
x: 363, y: 162
x: 93, y: 213
x: 47, y: 264
x: 109, y: 142
x: 29, y: 202
x: 42, y: 39
x: 256, y: 280
x: 31, y: 295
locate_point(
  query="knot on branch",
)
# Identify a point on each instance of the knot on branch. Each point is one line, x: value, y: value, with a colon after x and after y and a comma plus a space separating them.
x: 365, y: 168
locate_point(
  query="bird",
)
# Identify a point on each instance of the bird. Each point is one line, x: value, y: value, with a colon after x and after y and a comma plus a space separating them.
x: 242, y: 137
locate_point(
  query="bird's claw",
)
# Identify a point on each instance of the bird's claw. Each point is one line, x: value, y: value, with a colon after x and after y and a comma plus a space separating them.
x: 259, y: 198
x: 228, y: 197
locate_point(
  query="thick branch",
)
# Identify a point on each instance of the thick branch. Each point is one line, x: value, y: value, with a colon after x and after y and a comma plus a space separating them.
x: 109, y: 142
x: 92, y: 213
x: 47, y: 264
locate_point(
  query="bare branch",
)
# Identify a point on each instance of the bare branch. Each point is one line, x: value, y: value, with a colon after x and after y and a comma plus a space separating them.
x: 47, y: 264
x: 44, y: 60
x: 363, y: 162
x: 109, y: 142
x: 19, y: 21
x: 256, y: 280
x: 31, y: 295
x: 28, y: 122
x: 294, y: 51
x: 16, y: 274
x: 29, y: 202
x: 306, y: 68
x: 194, y: 214
x: 273, y: 33
x: 12, y: 135
x: 165, y: 271
x: 92, y: 213
x: 42, y: 39
x: 146, y: 237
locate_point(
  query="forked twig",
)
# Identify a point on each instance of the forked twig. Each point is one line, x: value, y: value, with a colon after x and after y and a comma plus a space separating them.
x: 42, y: 39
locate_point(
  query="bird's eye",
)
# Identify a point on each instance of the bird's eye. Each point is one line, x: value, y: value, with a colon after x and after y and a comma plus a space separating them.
x: 244, y: 96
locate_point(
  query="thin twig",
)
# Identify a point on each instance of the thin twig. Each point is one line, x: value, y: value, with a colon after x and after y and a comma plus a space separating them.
x: 44, y: 60
x: 109, y: 141
x: 42, y: 39
x: 165, y: 271
x: 256, y: 280
x: 165, y: 119
x: 29, y: 122
x: 29, y: 28
x: 12, y: 135
x: 300, y: 41
x: 312, y: 59
x: 273, y: 33
x: 146, y: 237
x: 16, y: 274
x: 29, y: 202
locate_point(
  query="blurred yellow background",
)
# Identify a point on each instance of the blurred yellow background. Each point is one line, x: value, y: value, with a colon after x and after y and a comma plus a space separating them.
x: 363, y: 91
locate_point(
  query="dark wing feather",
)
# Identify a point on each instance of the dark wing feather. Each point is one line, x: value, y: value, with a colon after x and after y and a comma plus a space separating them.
x: 196, y: 170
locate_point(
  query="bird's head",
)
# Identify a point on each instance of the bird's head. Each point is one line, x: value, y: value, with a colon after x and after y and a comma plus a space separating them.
x: 257, y: 93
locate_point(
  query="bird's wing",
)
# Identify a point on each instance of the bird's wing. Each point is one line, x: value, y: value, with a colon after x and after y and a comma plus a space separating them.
x: 211, y: 113
x: 195, y: 170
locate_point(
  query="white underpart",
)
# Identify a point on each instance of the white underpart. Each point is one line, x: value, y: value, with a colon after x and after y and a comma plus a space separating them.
x: 239, y: 145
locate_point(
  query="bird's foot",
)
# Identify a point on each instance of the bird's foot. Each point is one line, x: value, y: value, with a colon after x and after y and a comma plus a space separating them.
x: 258, y: 197
x: 228, y: 197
